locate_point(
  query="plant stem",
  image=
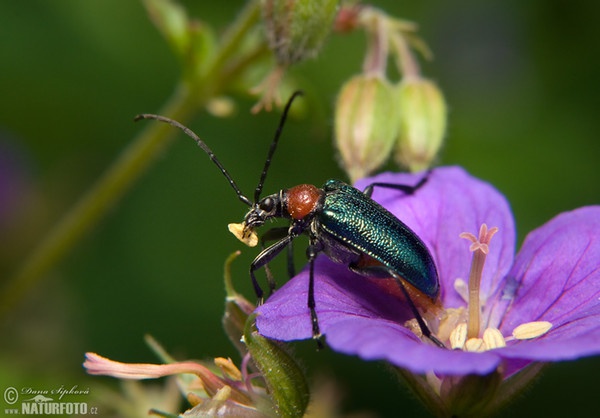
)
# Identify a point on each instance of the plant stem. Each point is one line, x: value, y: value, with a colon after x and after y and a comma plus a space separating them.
x: 233, y: 37
x: 119, y: 177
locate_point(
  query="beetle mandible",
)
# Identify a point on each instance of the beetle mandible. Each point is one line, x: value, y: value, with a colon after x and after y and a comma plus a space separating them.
x: 341, y: 221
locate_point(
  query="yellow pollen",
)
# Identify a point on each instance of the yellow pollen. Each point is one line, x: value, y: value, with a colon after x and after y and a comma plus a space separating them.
x: 247, y: 236
x: 448, y: 320
x: 413, y: 326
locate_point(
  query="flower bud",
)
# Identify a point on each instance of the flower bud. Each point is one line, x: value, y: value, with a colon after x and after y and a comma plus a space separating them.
x: 365, y: 129
x: 422, y: 123
x: 296, y: 29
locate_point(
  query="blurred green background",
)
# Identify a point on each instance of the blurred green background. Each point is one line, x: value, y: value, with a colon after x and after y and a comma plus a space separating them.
x: 521, y: 81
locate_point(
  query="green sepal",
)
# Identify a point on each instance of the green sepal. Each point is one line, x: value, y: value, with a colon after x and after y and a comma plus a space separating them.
x: 516, y: 384
x: 285, y: 380
x: 470, y: 395
x: 237, y: 309
x: 423, y: 118
x: 365, y: 124
x: 422, y: 390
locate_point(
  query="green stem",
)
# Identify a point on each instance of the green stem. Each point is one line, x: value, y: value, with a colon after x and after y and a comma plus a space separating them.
x: 377, y: 46
x: 406, y: 61
x: 132, y: 162
x: 233, y: 37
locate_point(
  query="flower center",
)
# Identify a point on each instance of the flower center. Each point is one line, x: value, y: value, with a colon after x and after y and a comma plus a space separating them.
x: 461, y: 327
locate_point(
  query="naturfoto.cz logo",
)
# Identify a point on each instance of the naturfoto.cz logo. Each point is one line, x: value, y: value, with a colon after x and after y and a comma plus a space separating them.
x: 46, y: 401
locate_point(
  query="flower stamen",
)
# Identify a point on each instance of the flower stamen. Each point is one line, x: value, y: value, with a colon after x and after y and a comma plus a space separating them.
x: 475, y: 345
x: 464, y: 334
x: 530, y: 330
x: 480, y: 248
x: 493, y: 338
x: 458, y: 336
x: 228, y: 368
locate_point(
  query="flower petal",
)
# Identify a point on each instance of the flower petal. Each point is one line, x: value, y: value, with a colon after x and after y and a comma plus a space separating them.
x: 339, y: 293
x: 384, y: 340
x: 557, y: 279
x: 357, y: 318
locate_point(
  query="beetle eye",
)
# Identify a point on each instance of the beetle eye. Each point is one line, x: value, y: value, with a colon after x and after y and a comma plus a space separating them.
x: 267, y: 204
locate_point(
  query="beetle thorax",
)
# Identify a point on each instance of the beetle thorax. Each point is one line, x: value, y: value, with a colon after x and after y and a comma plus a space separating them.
x: 303, y: 200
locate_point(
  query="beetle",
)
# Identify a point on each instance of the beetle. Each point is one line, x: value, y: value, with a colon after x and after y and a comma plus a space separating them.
x: 341, y: 221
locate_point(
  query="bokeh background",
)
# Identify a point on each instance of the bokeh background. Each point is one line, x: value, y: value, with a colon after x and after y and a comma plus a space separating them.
x: 521, y: 81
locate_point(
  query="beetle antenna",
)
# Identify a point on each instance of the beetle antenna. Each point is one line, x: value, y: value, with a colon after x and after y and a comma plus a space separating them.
x: 202, y: 145
x: 263, y: 175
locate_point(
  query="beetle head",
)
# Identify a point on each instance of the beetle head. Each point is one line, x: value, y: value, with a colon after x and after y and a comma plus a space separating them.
x: 268, y: 207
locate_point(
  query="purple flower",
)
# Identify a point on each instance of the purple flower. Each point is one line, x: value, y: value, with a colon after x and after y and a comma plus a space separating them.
x: 554, y: 281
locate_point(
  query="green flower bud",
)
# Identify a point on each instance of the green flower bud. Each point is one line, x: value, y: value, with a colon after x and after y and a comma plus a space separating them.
x: 296, y: 29
x: 365, y: 128
x: 422, y: 123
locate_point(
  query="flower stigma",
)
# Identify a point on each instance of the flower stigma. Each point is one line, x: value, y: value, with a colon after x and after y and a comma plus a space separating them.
x: 480, y: 249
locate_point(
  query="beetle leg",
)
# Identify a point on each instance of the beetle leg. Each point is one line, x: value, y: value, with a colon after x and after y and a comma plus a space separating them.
x: 422, y: 325
x: 311, y: 252
x: 275, y: 234
x: 278, y: 233
x: 380, y: 271
x: 290, y: 260
x: 402, y: 187
x: 263, y: 259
